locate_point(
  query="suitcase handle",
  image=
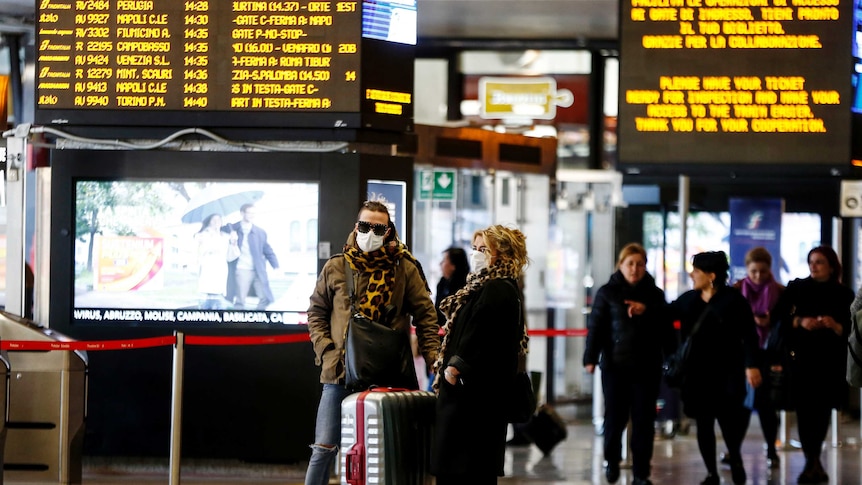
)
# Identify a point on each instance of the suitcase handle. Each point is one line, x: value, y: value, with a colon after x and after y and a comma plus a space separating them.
x: 389, y: 389
x: 355, y: 465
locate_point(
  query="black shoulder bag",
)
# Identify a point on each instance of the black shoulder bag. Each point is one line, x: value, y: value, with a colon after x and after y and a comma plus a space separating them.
x: 522, y: 400
x: 374, y: 353
x: 677, y: 366
x: 854, y: 354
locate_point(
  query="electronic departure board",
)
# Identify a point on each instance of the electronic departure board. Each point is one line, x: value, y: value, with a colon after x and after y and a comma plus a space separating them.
x: 735, y: 81
x: 273, y: 63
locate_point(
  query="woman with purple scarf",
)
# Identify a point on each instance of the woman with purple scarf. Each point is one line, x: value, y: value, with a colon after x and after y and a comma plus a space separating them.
x: 762, y: 292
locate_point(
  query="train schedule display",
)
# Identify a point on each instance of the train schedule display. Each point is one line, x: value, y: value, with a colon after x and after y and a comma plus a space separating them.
x: 177, y: 62
x: 735, y: 81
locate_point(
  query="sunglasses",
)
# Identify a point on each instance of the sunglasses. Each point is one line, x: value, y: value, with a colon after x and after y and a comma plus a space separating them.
x: 379, y: 229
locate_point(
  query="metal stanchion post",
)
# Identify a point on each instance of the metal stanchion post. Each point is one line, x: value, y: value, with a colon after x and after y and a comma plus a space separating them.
x: 784, y: 430
x: 627, y: 446
x: 834, y: 429
x: 176, y: 408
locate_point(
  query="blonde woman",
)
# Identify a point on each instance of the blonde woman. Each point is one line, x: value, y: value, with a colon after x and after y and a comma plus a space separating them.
x: 478, y: 360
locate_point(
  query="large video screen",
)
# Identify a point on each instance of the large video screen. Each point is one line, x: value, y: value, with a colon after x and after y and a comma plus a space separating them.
x: 171, y: 251
x: 170, y: 240
x: 735, y: 82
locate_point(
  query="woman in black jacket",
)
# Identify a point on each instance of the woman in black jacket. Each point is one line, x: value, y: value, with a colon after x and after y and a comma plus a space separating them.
x: 815, y: 314
x: 455, y: 269
x: 628, y: 330
x: 723, y: 357
x: 478, y: 360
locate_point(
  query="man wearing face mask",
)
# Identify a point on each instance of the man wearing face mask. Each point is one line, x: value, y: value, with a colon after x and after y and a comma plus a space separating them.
x: 385, y: 275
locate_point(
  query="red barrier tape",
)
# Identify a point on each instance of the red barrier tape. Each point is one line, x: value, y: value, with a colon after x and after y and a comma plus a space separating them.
x: 142, y: 343
x: 566, y: 332
x: 264, y: 340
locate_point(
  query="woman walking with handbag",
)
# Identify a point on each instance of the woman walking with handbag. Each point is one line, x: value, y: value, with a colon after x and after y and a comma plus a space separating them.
x: 628, y: 332
x: 723, y: 356
x: 478, y: 361
x: 387, y: 277
x: 815, y: 314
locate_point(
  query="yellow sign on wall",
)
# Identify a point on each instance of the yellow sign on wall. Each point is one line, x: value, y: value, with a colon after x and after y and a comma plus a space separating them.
x: 534, y: 98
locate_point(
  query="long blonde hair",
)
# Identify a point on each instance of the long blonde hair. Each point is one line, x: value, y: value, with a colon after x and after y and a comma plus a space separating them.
x: 506, y: 243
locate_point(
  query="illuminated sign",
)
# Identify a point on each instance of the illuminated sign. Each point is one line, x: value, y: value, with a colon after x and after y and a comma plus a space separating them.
x: 203, y: 56
x: 534, y: 98
x: 735, y: 81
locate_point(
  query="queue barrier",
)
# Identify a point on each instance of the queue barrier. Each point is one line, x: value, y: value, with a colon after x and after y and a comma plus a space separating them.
x: 55, y: 425
x: 45, y: 406
x: 37, y: 437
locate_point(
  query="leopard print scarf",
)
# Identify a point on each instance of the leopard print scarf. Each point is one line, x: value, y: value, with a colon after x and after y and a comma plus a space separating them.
x: 380, y: 267
x: 452, y: 304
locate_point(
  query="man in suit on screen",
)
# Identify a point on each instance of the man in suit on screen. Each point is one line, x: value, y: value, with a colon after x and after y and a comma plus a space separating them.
x: 249, y: 269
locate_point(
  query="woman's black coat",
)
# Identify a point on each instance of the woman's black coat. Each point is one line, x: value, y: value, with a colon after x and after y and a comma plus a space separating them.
x: 624, y: 343
x: 470, y: 434
x: 723, y: 347
x: 819, y: 357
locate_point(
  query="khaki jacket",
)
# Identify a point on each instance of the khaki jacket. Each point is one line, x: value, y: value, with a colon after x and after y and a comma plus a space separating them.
x: 329, y: 311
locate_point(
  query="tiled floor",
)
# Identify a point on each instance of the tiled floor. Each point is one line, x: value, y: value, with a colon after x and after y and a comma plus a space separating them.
x: 576, y: 461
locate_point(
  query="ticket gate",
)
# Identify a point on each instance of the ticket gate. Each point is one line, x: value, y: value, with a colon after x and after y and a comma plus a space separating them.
x: 46, y: 407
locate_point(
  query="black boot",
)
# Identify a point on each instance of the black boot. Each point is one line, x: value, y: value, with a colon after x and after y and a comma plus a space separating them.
x: 737, y: 472
x: 772, y: 460
x: 612, y: 471
x: 711, y: 479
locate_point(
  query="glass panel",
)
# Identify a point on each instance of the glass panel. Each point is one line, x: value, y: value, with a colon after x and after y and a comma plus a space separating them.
x: 710, y: 231
x: 580, y: 259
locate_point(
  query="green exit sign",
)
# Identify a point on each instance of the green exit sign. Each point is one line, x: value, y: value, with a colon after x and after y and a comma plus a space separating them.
x: 437, y: 184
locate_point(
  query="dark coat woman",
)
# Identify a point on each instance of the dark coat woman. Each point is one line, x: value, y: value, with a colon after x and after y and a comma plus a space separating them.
x: 455, y: 269
x: 478, y: 360
x: 815, y: 314
x: 629, y: 333
x: 723, y: 357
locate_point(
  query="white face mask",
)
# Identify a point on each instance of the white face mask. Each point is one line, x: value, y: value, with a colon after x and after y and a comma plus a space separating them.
x: 478, y: 261
x: 368, y: 241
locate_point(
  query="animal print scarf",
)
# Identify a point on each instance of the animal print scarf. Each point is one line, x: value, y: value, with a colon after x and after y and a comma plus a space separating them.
x: 451, y: 305
x: 380, y: 267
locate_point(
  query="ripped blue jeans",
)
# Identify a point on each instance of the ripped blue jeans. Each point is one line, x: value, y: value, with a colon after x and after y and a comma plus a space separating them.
x: 327, y: 431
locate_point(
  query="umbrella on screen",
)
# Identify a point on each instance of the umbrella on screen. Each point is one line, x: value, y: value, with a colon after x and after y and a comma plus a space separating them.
x: 218, y: 199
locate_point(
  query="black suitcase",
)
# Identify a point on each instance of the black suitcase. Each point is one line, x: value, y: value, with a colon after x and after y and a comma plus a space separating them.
x: 386, y: 437
x: 546, y: 429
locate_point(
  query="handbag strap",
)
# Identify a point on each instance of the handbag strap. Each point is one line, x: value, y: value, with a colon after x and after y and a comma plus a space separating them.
x: 699, y: 321
x: 349, y: 278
